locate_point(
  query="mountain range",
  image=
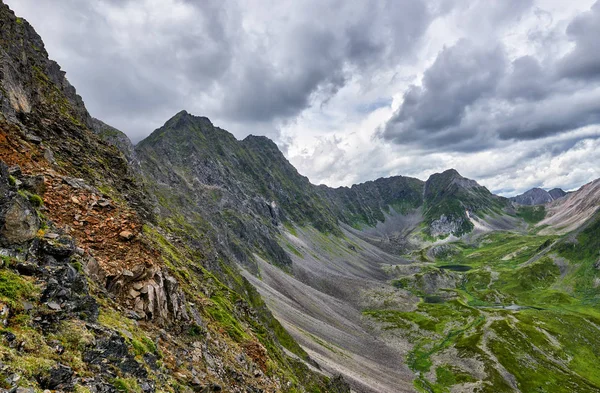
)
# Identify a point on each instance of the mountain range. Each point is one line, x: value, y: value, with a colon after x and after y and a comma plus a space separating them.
x: 194, y: 261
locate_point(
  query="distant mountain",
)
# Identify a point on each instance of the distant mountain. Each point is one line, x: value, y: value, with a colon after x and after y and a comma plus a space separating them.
x: 538, y: 196
x: 557, y: 193
x: 450, y: 199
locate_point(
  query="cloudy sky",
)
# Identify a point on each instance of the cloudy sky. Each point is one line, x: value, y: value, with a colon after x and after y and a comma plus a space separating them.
x: 505, y: 91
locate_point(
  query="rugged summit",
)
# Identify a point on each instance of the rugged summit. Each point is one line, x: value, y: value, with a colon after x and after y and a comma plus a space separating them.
x: 450, y: 200
x: 557, y: 193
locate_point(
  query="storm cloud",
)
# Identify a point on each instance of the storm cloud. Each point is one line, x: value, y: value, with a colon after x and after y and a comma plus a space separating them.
x: 472, y: 97
x: 507, y: 92
x: 250, y: 63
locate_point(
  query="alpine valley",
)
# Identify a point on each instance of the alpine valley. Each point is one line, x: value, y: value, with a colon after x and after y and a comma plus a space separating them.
x: 194, y: 261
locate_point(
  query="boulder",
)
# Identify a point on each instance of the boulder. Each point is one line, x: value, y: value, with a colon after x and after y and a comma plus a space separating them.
x: 126, y: 235
x: 60, y: 377
x: 19, y: 222
x: 62, y: 246
x: 35, y: 184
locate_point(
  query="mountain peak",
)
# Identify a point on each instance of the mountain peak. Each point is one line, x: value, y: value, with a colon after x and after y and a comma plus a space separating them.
x: 451, y: 172
x: 184, y: 118
x: 261, y: 141
x: 449, y: 177
x: 557, y: 193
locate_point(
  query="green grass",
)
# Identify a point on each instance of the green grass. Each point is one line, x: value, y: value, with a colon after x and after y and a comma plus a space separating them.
x: 552, y: 345
x: 14, y: 289
x: 36, y: 200
x: 222, y: 311
x: 532, y: 214
x: 499, y: 250
x: 567, y: 362
x: 126, y: 385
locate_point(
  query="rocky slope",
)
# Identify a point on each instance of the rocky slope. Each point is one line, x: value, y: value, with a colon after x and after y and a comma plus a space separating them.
x: 569, y: 213
x: 95, y: 294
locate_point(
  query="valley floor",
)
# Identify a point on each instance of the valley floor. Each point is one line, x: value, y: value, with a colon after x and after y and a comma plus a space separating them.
x: 497, y: 312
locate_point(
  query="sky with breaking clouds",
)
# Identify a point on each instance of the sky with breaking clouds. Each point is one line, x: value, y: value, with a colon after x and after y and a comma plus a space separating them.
x: 505, y: 91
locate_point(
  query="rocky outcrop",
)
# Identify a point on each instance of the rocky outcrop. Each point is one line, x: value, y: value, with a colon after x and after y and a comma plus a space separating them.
x: 150, y: 293
x: 29, y: 81
x: 49, y: 257
x: 18, y: 219
x: 445, y: 226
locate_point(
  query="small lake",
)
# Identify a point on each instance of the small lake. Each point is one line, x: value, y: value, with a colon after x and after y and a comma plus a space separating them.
x: 455, y: 268
x: 433, y: 299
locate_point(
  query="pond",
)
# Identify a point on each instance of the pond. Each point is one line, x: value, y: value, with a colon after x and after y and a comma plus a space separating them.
x: 433, y: 299
x: 456, y: 268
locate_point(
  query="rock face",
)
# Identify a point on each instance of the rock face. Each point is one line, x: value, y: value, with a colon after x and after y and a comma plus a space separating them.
x: 538, y: 196
x: 18, y: 219
x: 151, y: 293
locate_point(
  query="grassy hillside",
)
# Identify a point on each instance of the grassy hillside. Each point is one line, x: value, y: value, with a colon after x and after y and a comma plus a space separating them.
x: 514, y: 311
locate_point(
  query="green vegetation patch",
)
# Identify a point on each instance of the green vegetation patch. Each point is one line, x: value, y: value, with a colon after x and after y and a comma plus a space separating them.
x: 15, y: 288
x: 532, y: 214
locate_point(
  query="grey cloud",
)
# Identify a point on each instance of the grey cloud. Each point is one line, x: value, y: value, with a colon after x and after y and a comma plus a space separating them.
x: 215, y: 62
x: 528, y: 80
x: 583, y: 61
x: 548, y: 117
x: 460, y: 76
x: 321, y: 54
x: 472, y: 98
